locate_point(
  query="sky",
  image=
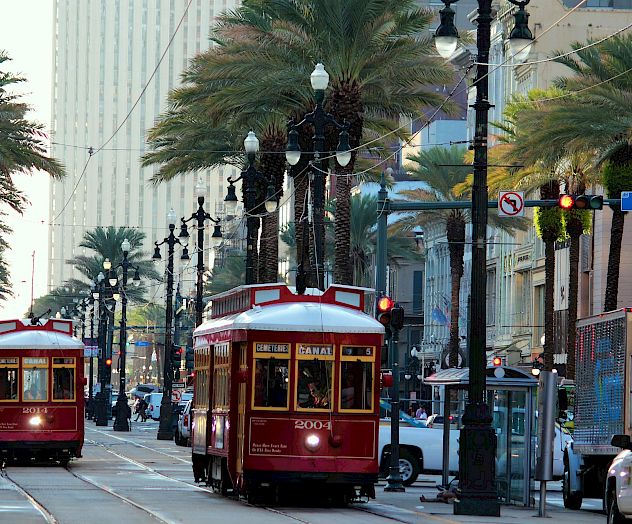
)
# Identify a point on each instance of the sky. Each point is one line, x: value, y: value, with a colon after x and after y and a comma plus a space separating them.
x: 26, y: 28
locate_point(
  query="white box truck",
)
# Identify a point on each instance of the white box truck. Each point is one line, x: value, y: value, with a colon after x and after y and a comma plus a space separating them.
x: 603, y: 403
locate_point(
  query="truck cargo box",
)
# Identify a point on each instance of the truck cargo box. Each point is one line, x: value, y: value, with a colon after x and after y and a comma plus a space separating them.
x: 601, y: 404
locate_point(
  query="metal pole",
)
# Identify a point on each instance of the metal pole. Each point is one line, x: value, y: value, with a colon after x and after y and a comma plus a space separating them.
x: 445, y: 473
x: 122, y: 423
x: 382, y: 217
x: 477, y: 445
x: 165, y: 431
x: 199, y: 284
x: 251, y: 221
x: 319, y: 196
x: 100, y: 407
x: 394, y: 479
x: 110, y: 343
x: 90, y: 409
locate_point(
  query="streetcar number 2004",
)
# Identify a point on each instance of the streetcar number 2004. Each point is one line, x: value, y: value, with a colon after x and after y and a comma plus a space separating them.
x: 312, y: 424
x: 29, y: 411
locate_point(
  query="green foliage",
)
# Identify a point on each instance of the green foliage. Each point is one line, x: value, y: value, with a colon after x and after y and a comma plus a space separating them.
x: 230, y: 274
x: 617, y: 178
x: 63, y: 296
x: 548, y: 223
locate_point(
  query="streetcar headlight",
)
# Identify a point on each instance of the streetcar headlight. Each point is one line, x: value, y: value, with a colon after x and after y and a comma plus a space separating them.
x: 312, y: 442
x: 35, y: 421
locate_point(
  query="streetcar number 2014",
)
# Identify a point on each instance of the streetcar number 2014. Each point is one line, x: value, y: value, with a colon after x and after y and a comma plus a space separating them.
x: 30, y: 411
x: 312, y: 424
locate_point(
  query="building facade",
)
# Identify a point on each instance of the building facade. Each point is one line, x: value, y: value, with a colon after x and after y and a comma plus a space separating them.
x: 114, y: 64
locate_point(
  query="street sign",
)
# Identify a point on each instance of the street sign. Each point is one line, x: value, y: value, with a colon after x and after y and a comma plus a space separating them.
x: 142, y: 343
x: 511, y: 204
x: 626, y: 200
x: 179, y: 385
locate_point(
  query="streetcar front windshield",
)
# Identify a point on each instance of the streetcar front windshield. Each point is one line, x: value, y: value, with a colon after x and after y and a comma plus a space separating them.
x: 35, y: 379
x: 271, y: 383
x: 314, y: 384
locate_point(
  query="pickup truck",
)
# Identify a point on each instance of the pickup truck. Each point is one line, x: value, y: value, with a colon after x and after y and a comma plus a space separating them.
x: 420, y: 450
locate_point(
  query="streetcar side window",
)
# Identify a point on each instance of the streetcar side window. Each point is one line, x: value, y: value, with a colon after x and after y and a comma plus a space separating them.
x: 8, y: 379
x: 356, y: 378
x: 63, y: 379
x: 35, y: 379
x: 271, y: 383
x: 315, y: 376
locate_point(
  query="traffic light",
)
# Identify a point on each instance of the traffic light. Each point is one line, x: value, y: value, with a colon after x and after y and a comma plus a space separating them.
x: 589, y: 202
x: 497, y: 361
x: 177, y: 356
x: 384, y: 310
x: 108, y: 362
x: 397, y: 317
x: 189, y: 359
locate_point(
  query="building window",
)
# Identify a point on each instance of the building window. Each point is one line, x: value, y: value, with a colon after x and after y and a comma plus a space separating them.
x: 418, y: 292
x: 491, y: 297
x: 538, y: 315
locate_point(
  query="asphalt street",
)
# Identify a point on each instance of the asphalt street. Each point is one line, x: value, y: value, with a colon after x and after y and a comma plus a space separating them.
x: 134, y: 478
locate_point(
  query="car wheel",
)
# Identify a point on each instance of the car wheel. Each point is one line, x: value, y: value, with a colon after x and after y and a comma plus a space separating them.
x: 408, y: 467
x: 614, y: 515
x: 571, y: 500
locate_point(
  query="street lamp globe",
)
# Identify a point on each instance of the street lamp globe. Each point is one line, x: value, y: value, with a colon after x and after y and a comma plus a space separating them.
x: 171, y: 217
x: 136, y: 279
x: 107, y: 264
x: 216, y: 237
x: 251, y: 143
x: 271, y: 202
x: 125, y: 246
x: 116, y: 296
x: 343, y: 153
x: 293, y: 151
x: 446, y: 35
x: 319, y: 78
x: 520, y: 38
x: 100, y: 276
x: 230, y: 201
x: 520, y: 49
x: 200, y: 188
x: 113, y: 281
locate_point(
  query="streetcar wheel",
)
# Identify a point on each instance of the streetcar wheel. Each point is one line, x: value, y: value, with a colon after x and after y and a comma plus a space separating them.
x: 408, y: 467
x: 571, y: 500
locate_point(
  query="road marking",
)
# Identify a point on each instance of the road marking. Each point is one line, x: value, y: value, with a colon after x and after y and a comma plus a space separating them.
x: 107, y: 434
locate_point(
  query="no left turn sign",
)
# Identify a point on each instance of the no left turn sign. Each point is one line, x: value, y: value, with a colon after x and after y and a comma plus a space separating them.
x: 511, y: 204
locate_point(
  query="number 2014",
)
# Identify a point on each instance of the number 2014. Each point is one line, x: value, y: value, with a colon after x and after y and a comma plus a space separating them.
x: 312, y: 424
x: 29, y: 411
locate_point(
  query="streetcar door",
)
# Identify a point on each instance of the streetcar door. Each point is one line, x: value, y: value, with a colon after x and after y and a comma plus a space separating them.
x: 241, y: 408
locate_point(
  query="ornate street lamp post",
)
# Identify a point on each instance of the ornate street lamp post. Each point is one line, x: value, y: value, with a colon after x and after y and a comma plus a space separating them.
x: 200, y: 216
x: 320, y: 119
x: 249, y: 177
x: 477, y: 444
x: 165, y: 430
x: 100, y: 411
x: 121, y: 423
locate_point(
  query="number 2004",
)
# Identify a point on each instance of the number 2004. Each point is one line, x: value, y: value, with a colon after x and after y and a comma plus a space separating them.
x: 311, y: 424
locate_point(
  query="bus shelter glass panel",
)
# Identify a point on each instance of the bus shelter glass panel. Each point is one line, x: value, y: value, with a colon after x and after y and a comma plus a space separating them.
x: 35, y: 378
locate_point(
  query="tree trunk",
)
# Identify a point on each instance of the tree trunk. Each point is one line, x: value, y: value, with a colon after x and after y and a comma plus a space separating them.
x: 574, y: 228
x: 455, y: 230
x: 269, y: 253
x: 343, y: 271
x: 614, y: 260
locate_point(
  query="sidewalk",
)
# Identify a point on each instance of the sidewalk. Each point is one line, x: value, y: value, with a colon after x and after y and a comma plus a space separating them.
x: 407, y: 507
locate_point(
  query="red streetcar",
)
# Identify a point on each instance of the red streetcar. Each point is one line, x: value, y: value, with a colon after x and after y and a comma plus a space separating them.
x: 41, y: 391
x: 287, y: 392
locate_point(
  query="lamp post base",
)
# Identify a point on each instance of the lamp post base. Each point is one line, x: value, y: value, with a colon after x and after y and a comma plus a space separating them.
x: 123, y: 414
x: 165, y: 431
x: 100, y: 410
x: 477, y: 493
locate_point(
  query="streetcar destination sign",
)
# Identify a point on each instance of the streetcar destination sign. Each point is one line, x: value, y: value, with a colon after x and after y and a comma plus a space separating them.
x: 315, y: 350
x: 261, y: 347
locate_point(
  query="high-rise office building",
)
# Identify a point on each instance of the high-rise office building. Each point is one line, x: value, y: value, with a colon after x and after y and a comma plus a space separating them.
x: 110, y: 83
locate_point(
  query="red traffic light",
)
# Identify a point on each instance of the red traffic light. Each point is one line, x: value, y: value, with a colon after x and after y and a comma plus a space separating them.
x: 108, y: 361
x: 497, y: 361
x: 566, y: 202
x: 385, y: 304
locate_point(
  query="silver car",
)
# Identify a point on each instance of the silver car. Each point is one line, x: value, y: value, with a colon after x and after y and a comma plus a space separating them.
x: 183, y: 431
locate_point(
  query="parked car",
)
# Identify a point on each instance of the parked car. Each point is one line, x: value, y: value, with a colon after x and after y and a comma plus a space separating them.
x: 183, y: 431
x: 618, y: 496
x: 177, y: 410
x: 153, y: 405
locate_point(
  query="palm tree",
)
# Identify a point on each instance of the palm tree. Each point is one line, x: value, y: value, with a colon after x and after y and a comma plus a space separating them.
x: 597, y: 118
x: 106, y: 243
x: 22, y: 150
x: 230, y: 274
x: 444, y: 171
x: 59, y: 297
x: 266, y: 53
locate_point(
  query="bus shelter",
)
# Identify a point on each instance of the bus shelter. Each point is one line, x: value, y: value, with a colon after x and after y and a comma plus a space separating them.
x: 511, y: 396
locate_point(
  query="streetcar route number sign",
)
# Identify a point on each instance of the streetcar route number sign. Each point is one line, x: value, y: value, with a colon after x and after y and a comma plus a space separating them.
x: 511, y: 204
